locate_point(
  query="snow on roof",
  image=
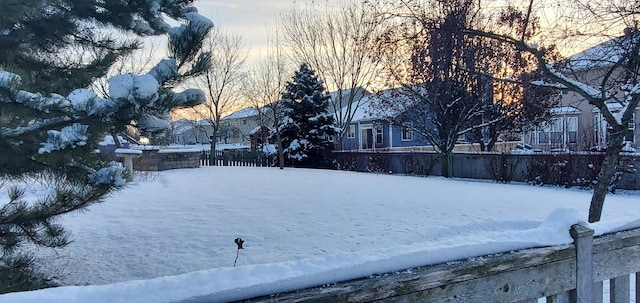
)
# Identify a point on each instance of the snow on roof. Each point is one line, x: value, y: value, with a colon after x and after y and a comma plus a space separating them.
x: 613, y: 107
x: 363, y: 112
x: 606, y: 53
x: 243, y: 113
x: 257, y: 129
x: 367, y: 112
x: 565, y: 110
x: 360, y: 93
x: 184, y: 125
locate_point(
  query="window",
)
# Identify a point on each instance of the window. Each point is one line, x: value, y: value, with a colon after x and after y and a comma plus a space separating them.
x: 556, y: 131
x: 560, y: 131
x: 631, y: 127
x: 352, y: 131
x: 379, y: 136
x: 572, y: 129
x: 596, y: 128
x: 407, y: 132
x: 543, y: 134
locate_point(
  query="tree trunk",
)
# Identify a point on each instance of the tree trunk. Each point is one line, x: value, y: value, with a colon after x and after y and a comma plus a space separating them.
x: 212, y: 154
x: 607, y: 172
x: 280, y: 151
x: 444, y: 165
x: 116, y: 140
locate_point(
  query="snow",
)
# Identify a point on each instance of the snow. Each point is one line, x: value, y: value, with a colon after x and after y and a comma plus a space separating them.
x: 154, y: 8
x: 120, y: 86
x: 134, y: 88
x: 605, y: 54
x: 8, y: 79
x: 198, y: 20
x: 152, y: 123
x: 108, y: 175
x: 170, y: 235
x: 128, y: 151
x: 243, y: 113
x: 80, y: 100
x: 176, y: 150
x: 145, y: 86
x: 165, y: 69
x: 565, y: 110
x: 108, y: 140
x: 587, y: 89
x: 191, y: 96
x: 69, y: 136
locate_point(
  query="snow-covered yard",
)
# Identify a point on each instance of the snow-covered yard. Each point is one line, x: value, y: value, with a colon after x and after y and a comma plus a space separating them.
x: 170, y: 235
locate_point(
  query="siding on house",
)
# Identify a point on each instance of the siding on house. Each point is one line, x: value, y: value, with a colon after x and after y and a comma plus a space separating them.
x: 591, y: 128
x: 367, y: 137
x: 589, y: 66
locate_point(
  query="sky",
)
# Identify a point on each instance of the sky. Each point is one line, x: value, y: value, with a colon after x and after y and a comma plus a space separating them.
x: 169, y: 235
x: 255, y: 21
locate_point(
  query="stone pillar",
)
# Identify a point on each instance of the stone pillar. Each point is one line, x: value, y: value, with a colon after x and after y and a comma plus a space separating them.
x: 127, y: 155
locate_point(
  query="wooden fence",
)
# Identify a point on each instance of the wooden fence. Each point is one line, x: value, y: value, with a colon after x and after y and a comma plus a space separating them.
x: 237, y: 158
x: 565, y: 273
x: 563, y: 169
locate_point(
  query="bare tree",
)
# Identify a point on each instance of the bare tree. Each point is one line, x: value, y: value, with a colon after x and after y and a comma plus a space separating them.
x: 607, y: 76
x: 338, y: 43
x: 222, y: 83
x: 263, y: 88
x: 449, y: 82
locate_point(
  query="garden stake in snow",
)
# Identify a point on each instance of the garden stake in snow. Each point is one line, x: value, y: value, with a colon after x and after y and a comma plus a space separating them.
x: 239, y: 242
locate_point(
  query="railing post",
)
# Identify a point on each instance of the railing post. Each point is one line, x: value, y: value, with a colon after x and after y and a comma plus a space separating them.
x: 638, y: 287
x: 583, y: 241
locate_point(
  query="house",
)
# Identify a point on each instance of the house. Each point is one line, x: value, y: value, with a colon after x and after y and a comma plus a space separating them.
x: 191, y: 132
x: 259, y: 137
x: 577, y: 125
x: 370, y: 132
x: 252, y: 126
x: 237, y: 127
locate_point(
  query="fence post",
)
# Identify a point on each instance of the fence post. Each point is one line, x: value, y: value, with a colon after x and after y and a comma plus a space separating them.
x: 583, y: 241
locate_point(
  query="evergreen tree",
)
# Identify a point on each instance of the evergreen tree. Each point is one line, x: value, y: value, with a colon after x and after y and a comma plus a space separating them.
x: 306, y: 125
x: 48, y: 137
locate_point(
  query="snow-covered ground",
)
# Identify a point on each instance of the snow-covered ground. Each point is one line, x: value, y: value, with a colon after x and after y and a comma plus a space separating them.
x: 170, y: 235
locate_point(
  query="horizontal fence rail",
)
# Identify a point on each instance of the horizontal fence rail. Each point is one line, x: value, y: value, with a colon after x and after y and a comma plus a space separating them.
x: 565, y: 273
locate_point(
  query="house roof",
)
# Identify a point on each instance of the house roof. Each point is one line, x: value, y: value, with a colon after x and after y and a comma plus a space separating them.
x: 243, y: 113
x: 612, y: 106
x: 604, y: 54
x: 257, y: 129
x: 248, y: 112
x: 369, y: 110
x: 565, y: 110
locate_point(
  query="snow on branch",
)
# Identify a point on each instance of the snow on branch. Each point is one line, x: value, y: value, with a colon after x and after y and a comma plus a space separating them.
x: 70, y: 136
x: 108, y: 176
x: 20, y: 131
x: 582, y: 87
x: 541, y: 83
